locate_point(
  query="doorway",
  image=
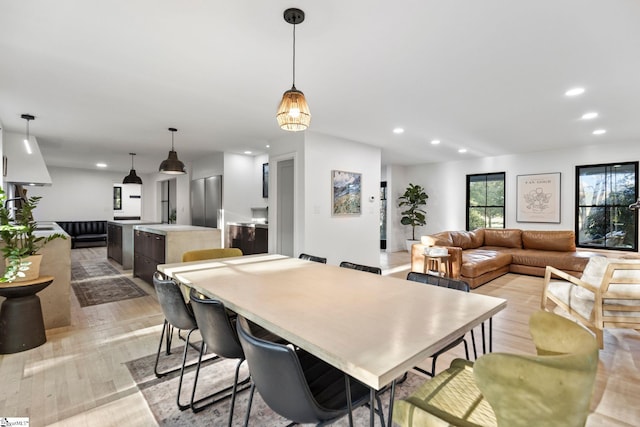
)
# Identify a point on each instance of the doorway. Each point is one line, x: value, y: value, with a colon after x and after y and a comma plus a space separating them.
x: 285, y: 207
x: 383, y: 215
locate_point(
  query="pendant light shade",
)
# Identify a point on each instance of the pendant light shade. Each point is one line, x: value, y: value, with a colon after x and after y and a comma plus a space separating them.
x: 293, y: 112
x: 172, y: 165
x: 132, y: 178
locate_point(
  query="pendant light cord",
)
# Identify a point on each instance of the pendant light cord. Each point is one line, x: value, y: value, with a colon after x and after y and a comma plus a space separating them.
x: 294, y: 56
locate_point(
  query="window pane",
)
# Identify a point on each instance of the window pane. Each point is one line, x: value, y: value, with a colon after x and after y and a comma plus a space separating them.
x: 478, y: 193
x: 477, y: 218
x: 495, y: 217
x: 495, y: 192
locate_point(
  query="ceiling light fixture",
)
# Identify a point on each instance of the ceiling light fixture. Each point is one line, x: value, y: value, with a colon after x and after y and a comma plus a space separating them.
x: 435, y: 141
x: 172, y: 166
x: 398, y: 131
x: 575, y: 91
x: 101, y: 165
x: 462, y: 150
x: 589, y: 116
x: 599, y: 131
x: 293, y: 112
x: 27, y: 140
x: 132, y: 178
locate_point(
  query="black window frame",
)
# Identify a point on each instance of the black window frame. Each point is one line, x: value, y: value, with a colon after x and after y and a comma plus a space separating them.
x: 606, y: 206
x: 504, y: 197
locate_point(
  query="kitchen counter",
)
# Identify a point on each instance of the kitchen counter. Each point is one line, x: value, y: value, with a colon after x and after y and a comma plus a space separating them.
x: 164, y: 229
x: 249, y: 224
x: 56, y: 262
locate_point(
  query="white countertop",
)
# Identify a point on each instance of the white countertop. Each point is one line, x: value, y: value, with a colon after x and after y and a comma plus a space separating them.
x: 131, y: 222
x: 163, y: 229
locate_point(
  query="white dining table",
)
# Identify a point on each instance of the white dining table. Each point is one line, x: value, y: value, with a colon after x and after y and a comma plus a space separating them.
x: 372, y: 327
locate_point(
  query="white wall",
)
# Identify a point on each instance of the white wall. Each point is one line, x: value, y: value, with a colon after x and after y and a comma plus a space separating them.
x: 131, y: 206
x: 445, y: 183
x: 397, y: 234
x: 341, y: 238
x: 76, y: 195
x: 242, y: 186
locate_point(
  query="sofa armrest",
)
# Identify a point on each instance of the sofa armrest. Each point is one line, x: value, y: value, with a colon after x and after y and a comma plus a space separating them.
x: 455, y: 255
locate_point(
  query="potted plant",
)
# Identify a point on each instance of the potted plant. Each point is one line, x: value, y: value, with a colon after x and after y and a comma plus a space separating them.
x: 412, y: 201
x: 20, y: 244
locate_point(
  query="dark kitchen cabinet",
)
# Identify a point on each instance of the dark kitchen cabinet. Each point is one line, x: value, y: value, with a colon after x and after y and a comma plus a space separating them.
x: 114, y: 242
x: 249, y: 238
x: 148, y: 252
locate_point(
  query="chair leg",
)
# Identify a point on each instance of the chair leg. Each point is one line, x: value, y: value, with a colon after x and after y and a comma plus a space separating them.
x: 466, y: 350
x: 246, y: 417
x: 184, y: 361
x: 220, y: 395
x: 473, y: 343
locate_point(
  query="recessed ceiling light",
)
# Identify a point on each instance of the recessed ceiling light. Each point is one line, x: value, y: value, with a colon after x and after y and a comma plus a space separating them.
x: 589, y: 116
x: 247, y: 152
x: 599, y: 131
x: 435, y: 141
x: 398, y: 131
x: 462, y: 150
x: 101, y: 165
x: 268, y: 146
x: 575, y: 91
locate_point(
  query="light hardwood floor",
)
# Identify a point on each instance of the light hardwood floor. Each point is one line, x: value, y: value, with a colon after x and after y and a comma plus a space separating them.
x: 78, y: 378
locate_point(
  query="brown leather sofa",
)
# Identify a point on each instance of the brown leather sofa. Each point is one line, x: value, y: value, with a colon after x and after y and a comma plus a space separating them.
x: 482, y: 255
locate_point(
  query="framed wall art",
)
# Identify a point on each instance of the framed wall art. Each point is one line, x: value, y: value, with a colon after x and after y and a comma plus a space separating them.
x: 346, y: 194
x: 538, y: 198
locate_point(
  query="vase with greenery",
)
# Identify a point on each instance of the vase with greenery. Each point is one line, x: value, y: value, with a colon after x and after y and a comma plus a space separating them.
x: 20, y: 242
x: 412, y: 201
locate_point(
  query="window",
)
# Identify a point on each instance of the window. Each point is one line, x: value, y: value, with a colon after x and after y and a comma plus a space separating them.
x: 603, y: 195
x: 485, y: 201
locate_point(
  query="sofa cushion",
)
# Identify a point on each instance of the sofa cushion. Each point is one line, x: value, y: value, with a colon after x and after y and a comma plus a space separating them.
x: 504, y: 237
x: 468, y: 239
x: 567, y: 261
x: 439, y: 239
x: 476, y: 262
x: 549, y: 240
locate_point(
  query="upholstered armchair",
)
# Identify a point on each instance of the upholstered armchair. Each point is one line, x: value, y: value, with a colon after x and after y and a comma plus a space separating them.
x: 606, y: 296
x: 552, y: 388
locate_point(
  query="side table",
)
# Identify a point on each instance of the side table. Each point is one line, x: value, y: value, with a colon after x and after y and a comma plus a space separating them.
x: 21, y: 323
x: 435, y: 263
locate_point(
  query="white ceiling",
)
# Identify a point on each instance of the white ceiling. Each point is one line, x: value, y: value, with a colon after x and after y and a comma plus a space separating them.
x: 105, y: 78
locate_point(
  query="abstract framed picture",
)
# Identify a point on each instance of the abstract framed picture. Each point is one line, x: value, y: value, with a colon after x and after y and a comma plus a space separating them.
x: 538, y: 198
x: 346, y: 193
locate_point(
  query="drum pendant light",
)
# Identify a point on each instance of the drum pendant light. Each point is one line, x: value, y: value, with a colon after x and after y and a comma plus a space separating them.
x: 293, y: 112
x: 172, y: 165
x: 132, y: 178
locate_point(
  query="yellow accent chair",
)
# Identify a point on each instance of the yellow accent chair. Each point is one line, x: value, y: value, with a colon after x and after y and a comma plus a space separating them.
x: 204, y: 254
x: 607, y: 295
x: 552, y: 388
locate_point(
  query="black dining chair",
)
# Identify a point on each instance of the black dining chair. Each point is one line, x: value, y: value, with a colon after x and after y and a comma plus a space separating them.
x: 296, y: 384
x: 177, y: 315
x: 444, y: 282
x: 360, y: 267
x: 313, y: 258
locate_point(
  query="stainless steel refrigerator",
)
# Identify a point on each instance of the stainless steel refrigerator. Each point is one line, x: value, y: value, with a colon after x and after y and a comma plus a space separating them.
x: 206, y: 201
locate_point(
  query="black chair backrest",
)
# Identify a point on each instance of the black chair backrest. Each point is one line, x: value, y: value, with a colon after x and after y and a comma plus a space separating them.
x: 172, y: 303
x: 444, y: 282
x: 278, y: 376
x: 360, y: 267
x: 216, y: 328
x: 313, y: 258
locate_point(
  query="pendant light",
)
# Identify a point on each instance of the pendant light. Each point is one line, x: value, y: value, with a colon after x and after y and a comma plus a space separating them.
x: 132, y: 178
x: 27, y: 140
x: 172, y: 165
x: 293, y: 112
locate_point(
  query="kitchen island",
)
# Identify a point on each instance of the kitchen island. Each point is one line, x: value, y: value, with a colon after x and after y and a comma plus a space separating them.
x: 165, y: 243
x: 120, y: 241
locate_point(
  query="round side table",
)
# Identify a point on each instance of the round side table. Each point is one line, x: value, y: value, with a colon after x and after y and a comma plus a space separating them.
x: 21, y: 323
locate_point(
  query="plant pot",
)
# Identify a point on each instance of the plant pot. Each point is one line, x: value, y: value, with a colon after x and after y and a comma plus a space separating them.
x: 411, y: 243
x: 33, y: 270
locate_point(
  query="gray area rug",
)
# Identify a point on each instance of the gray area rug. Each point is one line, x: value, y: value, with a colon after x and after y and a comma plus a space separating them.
x: 99, y: 283
x: 160, y: 394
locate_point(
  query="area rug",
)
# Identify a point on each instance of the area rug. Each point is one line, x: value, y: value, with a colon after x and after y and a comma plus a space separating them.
x: 99, y: 283
x: 160, y: 394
